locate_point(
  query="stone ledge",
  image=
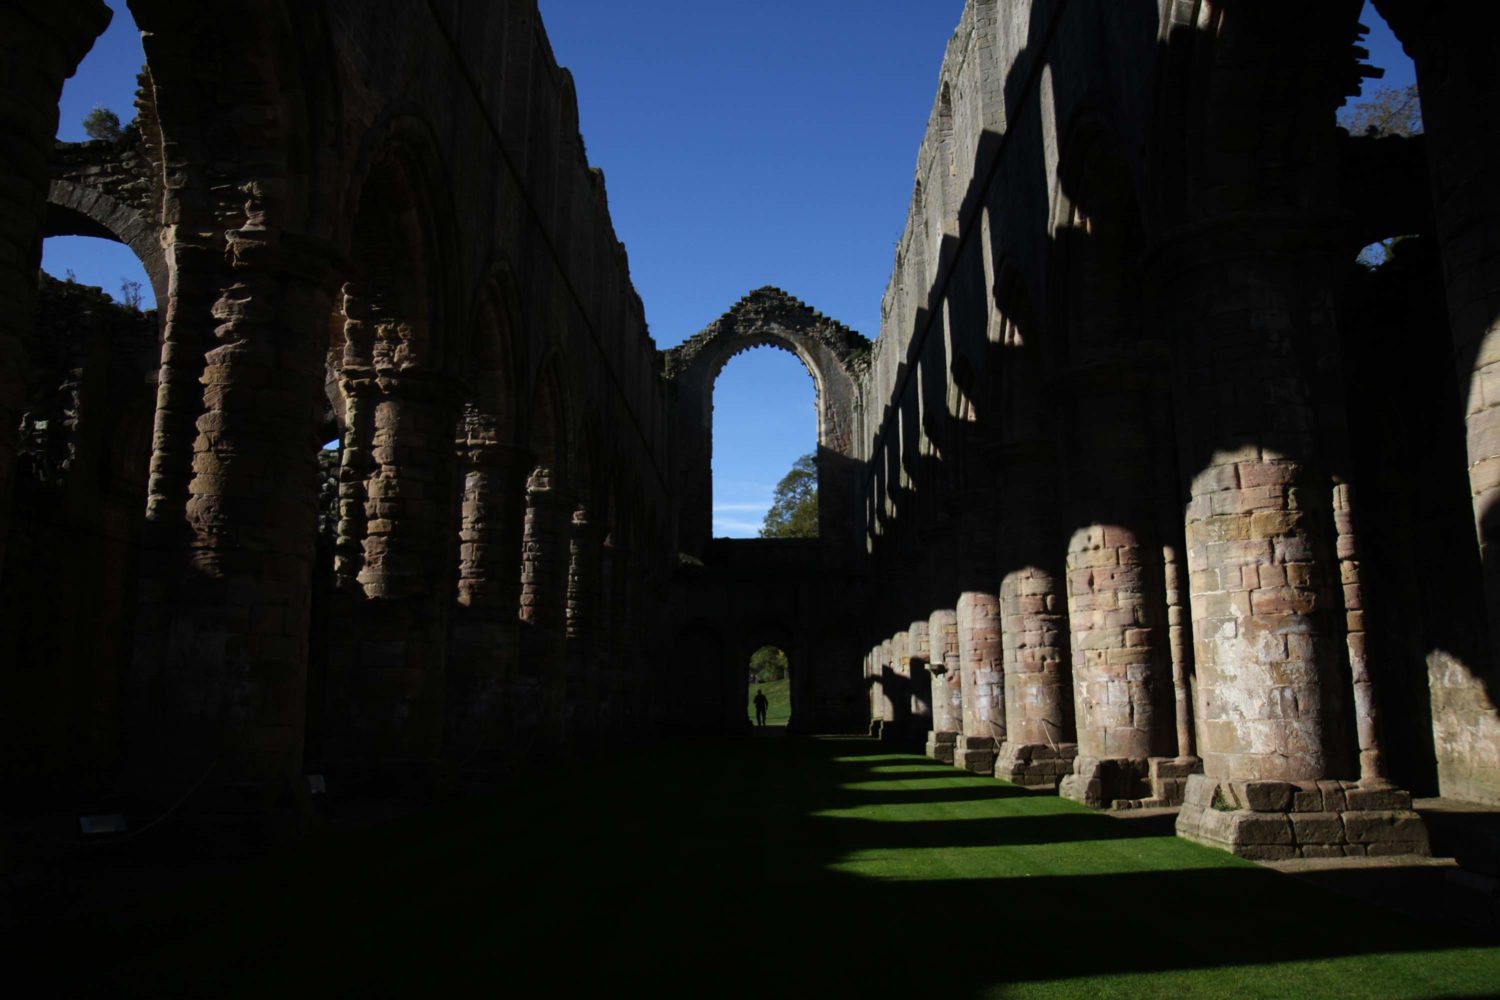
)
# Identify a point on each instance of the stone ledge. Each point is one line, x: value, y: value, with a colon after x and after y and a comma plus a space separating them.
x: 1033, y: 765
x: 940, y: 746
x: 1261, y: 821
x: 974, y: 753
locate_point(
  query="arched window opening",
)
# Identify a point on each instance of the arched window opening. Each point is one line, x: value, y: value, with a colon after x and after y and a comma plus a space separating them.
x: 765, y: 444
x: 770, y: 690
x: 105, y: 264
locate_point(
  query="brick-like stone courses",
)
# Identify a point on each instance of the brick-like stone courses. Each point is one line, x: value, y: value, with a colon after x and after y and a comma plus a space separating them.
x: 1113, y: 611
x: 901, y: 694
x: 1040, y: 745
x: 923, y: 692
x: 980, y: 650
x: 1275, y: 820
x: 40, y: 45
x: 544, y: 583
x: 112, y: 189
x: 887, y: 674
x: 947, y: 684
x: 483, y: 630
x: 584, y: 688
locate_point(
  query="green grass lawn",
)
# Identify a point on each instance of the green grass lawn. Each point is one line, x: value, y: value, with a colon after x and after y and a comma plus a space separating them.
x: 828, y: 868
x: 779, y: 698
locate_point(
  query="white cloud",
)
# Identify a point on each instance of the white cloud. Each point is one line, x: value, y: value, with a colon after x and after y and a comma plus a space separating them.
x: 725, y: 527
x: 741, y: 508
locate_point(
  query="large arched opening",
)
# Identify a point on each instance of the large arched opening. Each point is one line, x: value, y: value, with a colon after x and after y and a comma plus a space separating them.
x: 764, y: 449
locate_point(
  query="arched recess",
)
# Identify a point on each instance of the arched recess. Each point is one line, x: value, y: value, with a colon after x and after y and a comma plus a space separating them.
x: 394, y: 555
x: 835, y: 357
x: 493, y: 466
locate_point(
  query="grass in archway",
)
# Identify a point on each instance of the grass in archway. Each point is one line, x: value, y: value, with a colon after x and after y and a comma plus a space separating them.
x: 797, y: 867
x: 779, y: 699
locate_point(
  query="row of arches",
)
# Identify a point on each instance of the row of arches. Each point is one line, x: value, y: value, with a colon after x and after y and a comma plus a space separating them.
x: 1108, y: 444
x: 471, y: 584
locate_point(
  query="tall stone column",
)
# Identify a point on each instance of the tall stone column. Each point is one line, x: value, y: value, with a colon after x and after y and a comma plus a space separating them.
x: 944, y: 664
x: 41, y: 45
x: 980, y: 651
x: 544, y: 588
x: 216, y: 696
x: 1254, y: 308
x: 483, y: 629
x: 582, y: 609
x: 1122, y: 691
x: 887, y: 675
x: 921, y: 678
x: 393, y: 575
x: 901, y: 695
x: 1040, y: 743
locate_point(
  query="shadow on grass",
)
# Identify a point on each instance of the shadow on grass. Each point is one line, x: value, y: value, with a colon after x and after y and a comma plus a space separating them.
x: 610, y: 877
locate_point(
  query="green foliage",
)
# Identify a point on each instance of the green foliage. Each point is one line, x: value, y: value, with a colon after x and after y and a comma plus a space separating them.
x: 1388, y: 111
x: 130, y: 294
x: 794, y: 505
x: 102, y: 123
x: 767, y: 664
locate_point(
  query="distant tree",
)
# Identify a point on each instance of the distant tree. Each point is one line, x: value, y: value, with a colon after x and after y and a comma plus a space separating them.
x: 794, y: 505
x: 130, y: 294
x: 102, y: 123
x: 1388, y: 111
x: 767, y: 664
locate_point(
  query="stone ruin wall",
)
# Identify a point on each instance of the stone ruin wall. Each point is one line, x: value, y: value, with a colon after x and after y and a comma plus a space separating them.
x: 1019, y: 83
x: 287, y: 153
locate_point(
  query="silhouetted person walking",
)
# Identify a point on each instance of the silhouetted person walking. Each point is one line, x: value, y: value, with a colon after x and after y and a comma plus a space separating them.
x: 760, y: 708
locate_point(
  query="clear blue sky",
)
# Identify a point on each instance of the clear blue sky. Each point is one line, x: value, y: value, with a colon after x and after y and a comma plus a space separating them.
x: 743, y: 145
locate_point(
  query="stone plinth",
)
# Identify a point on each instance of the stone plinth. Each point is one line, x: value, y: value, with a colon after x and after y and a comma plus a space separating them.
x: 1276, y: 820
x: 940, y: 746
x: 974, y: 753
x: 1033, y: 765
x: 1129, y: 782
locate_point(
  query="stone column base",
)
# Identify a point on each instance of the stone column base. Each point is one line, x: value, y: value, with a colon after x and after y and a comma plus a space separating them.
x: 1129, y: 782
x: 1276, y: 820
x: 974, y: 753
x: 877, y: 727
x: 940, y: 746
x: 1035, y: 765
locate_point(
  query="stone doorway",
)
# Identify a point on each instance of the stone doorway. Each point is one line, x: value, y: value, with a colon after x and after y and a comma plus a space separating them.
x: 769, y: 677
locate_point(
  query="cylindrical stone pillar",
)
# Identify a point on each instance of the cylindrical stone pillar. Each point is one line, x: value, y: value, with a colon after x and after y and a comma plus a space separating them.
x: 1260, y: 556
x: 920, y: 676
x: 980, y: 651
x: 584, y: 556
x: 901, y: 696
x: 394, y: 573
x: 219, y: 680
x: 1040, y: 742
x: 483, y: 629
x: 947, y: 684
x: 544, y: 584
x: 1116, y: 594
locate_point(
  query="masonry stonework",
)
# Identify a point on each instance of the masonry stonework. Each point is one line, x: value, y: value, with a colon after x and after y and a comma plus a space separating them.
x: 1145, y: 491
